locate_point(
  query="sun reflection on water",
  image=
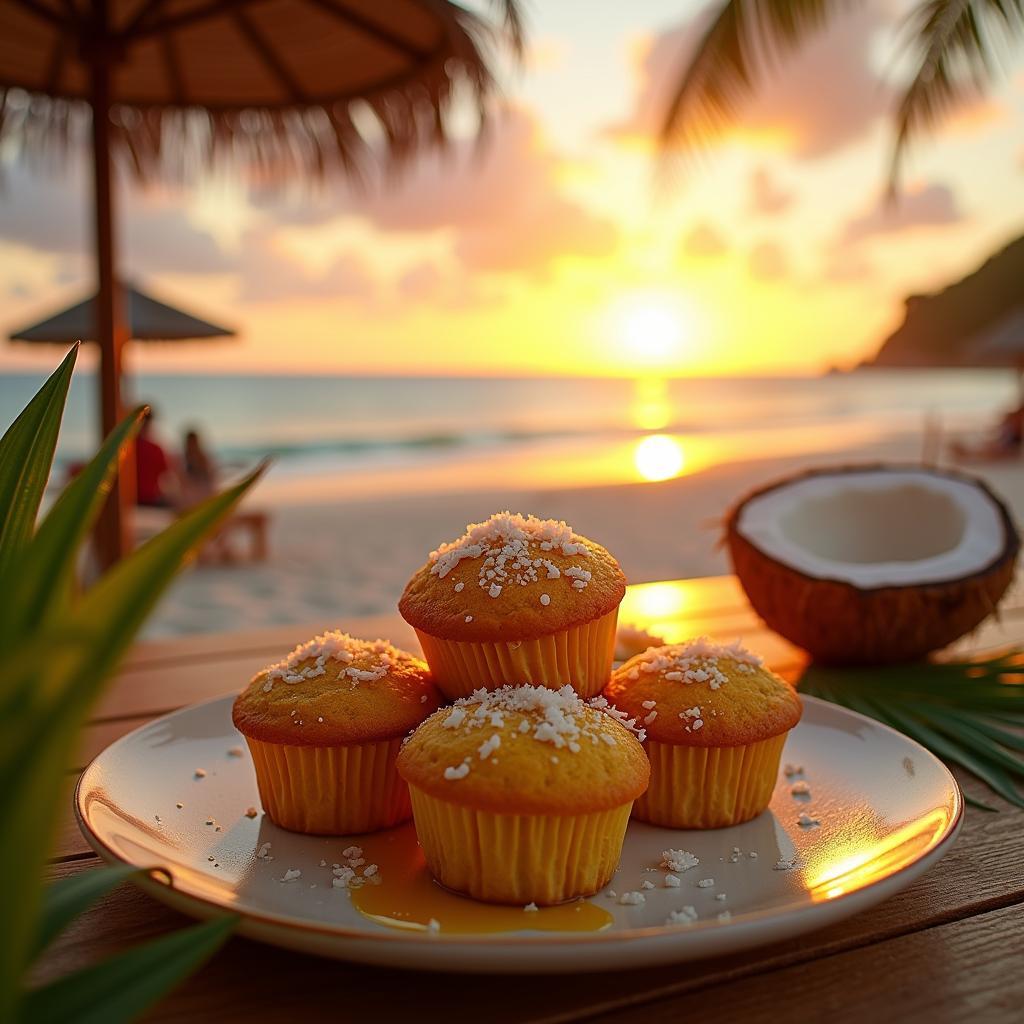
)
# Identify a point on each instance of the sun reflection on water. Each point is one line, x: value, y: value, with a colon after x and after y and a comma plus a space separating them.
x: 659, y: 457
x: 651, y: 408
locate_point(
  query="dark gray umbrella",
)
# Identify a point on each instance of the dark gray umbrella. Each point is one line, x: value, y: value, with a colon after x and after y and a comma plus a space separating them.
x: 145, y: 319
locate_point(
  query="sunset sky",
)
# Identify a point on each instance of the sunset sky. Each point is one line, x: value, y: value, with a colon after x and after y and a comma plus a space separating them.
x: 556, y: 250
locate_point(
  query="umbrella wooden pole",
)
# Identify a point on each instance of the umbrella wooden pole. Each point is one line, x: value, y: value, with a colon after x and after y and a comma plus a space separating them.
x: 113, y: 539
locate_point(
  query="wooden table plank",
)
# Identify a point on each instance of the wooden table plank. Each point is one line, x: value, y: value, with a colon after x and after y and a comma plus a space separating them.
x: 932, y: 983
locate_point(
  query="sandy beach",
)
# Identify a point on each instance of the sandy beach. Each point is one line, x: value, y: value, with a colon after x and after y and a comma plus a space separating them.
x: 336, y: 558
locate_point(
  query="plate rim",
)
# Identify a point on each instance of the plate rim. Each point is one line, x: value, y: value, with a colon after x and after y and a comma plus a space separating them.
x: 746, y: 927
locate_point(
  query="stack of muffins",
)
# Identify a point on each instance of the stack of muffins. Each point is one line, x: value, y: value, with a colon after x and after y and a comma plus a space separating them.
x: 522, y: 784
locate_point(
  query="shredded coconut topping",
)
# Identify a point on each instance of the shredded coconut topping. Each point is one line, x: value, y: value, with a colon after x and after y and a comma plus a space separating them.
x: 678, y: 860
x: 309, y: 660
x: 489, y: 746
x: 556, y: 717
x: 694, y: 662
x: 685, y: 915
x: 601, y: 703
x: 460, y: 771
x: 509, y: 548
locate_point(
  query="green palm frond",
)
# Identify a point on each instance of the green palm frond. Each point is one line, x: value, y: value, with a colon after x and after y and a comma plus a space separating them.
x: 969, y: 713
x: 730, y: 58
x: 954, y: 42
x: 60, y: 647
x: 954, y: 45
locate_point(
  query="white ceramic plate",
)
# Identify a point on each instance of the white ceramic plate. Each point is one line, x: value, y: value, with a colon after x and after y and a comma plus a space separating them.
x: 886, y: 811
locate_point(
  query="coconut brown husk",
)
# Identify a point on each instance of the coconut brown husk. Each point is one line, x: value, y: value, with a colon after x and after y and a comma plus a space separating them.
x: 838, y: 623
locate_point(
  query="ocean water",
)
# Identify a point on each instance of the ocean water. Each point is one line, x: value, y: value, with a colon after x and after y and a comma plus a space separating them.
x: 355, y: 427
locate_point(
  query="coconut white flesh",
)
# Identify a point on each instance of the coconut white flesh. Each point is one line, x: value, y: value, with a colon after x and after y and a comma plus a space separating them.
x: 877, y: 528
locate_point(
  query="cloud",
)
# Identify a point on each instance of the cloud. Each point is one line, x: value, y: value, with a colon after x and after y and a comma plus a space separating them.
x: 502, y: 202
x: 269, y: 273
x: 46, y: 214
x: 421, y: 282
x: 546, y: 229
x: 767, y: 198
x: 703, y: 240
x: 768, y: 261
x: 51, y: 215
x: 929, y: 206
x: 844, y: 266
x: 819, y: 100
x: 160, y: 240
x: 426, y: 283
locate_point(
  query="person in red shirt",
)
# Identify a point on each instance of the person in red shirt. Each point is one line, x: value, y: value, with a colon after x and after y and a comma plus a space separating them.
x: 152, y: 468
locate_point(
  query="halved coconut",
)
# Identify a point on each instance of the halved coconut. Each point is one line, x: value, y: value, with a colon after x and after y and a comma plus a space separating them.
x: 873, y: 564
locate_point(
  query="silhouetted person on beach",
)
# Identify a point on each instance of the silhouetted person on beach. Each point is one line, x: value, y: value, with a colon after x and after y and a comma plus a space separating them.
x: 197, y: 481
x: 1005, y: 441
x: 198, y: 471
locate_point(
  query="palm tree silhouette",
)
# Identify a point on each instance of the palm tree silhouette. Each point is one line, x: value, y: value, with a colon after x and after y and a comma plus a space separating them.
x: 953, y: 45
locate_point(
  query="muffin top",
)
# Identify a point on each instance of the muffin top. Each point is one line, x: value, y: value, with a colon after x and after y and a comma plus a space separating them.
x: 512, y: 578
x: 526, y: 750
x: 336, y: 689
x: 703, y: 694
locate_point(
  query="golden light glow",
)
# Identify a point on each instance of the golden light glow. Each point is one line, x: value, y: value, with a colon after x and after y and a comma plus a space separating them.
x: 651, y: 409
x: 653, y: 329
x: 659, y: 457
x: 865, y: 861
x: 646, y: 604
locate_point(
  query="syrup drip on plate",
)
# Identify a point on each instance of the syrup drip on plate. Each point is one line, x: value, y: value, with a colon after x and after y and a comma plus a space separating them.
x: 408, y: 897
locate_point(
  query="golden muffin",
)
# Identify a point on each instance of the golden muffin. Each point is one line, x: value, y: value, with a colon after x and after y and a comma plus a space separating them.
x: 516, y: 598
x: 325, y: 726
x: 522, y: 794
x: 716, y: 721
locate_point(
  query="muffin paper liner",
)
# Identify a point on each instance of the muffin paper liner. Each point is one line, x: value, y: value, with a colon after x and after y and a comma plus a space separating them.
x: 708, y: 787
x: 580, y: 656
x: 518, y: 858
x: 331, y: 790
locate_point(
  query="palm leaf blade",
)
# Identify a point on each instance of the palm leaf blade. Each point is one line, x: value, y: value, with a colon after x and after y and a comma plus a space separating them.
x: 43, y: 576
x: 63, y: 688
x: 731, y: 56
x: 123, y: 987
x: 67, y: 898
x: 951, y: 41
x: 26, y: 455
x: 957, y: 709
x: 974, y: 761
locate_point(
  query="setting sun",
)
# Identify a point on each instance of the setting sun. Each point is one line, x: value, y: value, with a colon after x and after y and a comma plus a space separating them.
x: 653, y: 329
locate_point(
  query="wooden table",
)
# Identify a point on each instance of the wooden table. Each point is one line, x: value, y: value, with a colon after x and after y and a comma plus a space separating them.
x: 950, y: 948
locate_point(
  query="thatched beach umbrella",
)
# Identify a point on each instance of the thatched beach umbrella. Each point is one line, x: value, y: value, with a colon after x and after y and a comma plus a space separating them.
x: 142, y: 317
x: 278, y: 84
